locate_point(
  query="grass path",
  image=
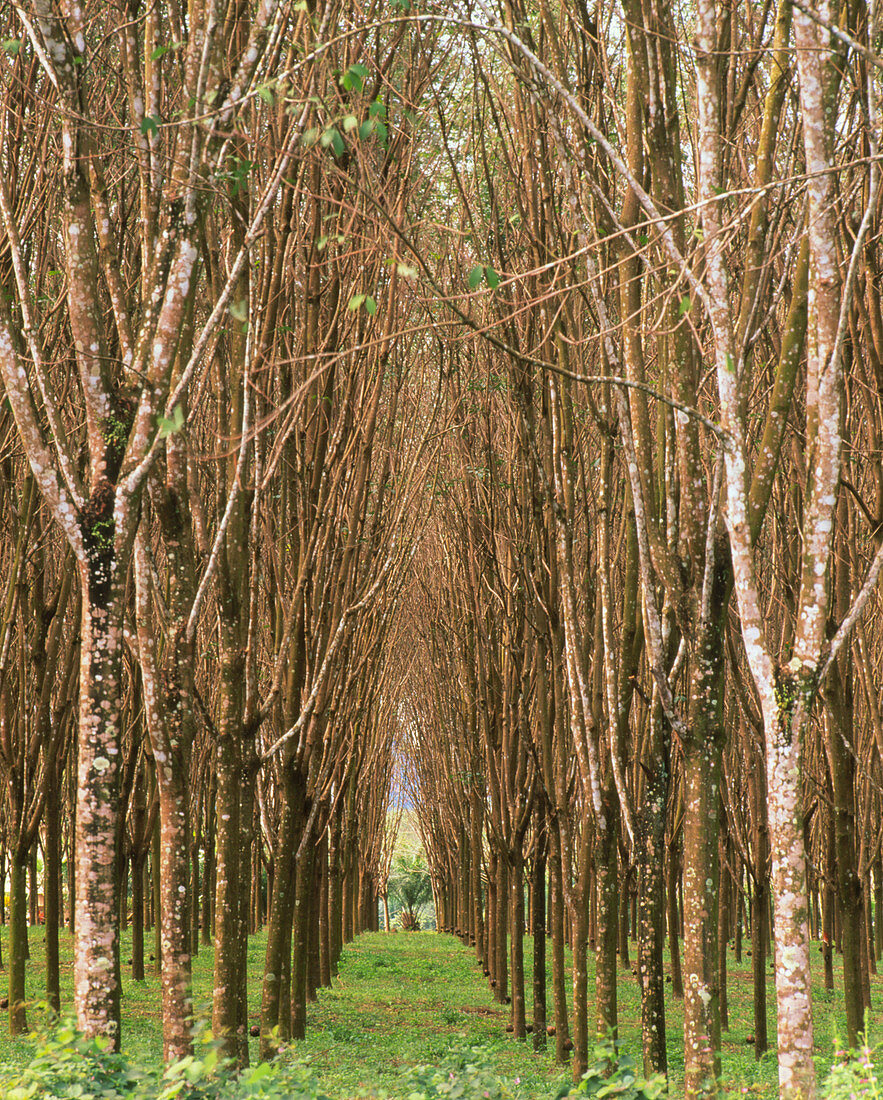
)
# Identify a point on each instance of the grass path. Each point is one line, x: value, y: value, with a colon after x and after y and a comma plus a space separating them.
x: 414, y: 999
x: 410, y: 999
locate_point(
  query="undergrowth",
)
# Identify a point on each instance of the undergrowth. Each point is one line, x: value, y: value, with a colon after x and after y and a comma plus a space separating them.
x: 405, y: 1012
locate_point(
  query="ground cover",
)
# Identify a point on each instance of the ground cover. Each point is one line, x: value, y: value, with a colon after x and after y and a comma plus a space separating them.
x: 410, y: 999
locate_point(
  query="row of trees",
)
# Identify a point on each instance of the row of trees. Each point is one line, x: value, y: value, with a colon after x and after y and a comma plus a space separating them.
x: 482, y: 372
x: 211, y: 449
x: 650, y: 592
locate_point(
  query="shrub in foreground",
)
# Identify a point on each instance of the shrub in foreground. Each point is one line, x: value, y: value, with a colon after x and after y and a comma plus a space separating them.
x: 68, y: 1066
x: 856, y: 1073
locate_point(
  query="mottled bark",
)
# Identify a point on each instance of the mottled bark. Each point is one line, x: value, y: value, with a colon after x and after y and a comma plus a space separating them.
x: 607, y: 889
x: 650, y: 838
x: 226, y: 903
x: 96, y: 946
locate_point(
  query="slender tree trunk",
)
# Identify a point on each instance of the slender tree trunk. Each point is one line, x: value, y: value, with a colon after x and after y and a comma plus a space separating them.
x: 325, y: 914
x: 702, y: 768
x: 247, y: 833
x: 301, y: 951
x: 557, y: 923
x: 138, y: 918
x: 52, y: 887
x: 538, y: 921
x: 501, y: 969
x: 194, y: 895
x: 477, y: 908
x: 579, y: 924
x: 155, y: 896
x: 608, y: 912
x: 226, y: 905
x: 840, y: 755
x: 674, y: 923
x: 18, y: 938
x: 335, y: 893
x: 208, y: 877
x: 516, y: 916
x: 759, y: 900
x: 723, y: 919
x: 651, y: 899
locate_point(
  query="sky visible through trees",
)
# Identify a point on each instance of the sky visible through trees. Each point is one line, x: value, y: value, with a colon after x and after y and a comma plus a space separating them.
x: 475, y: 404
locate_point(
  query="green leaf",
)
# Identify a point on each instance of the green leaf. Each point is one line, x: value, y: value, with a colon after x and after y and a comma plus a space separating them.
x: 685, y: 305
x: 159, y: 52
x: 311, y: 136
x: 150, y: 124
x: 350, y: 123
x: 173, y: 424
x: 260, y: 1072
x: 370, y: 305
x: 491, y: 277
x: 11, y: 46
x: 355, y: 302
x: 332, y: 137
x: 377, y: 109
x: 475, y: 276
x: 265, y: 91
x: 353, y: 80
x: 731, y: 366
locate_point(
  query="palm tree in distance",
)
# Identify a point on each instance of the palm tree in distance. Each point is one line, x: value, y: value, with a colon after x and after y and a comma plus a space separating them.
x: 410, y: 888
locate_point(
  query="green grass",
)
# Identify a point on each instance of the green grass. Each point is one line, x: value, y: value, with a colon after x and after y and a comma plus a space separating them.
x: 414, y: 998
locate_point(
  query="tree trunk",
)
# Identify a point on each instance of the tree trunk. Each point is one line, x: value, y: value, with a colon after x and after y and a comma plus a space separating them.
x: 702, y: 766
x: 608, y: 912
x: 701, y: 1003
x: 723, y: 919
x: 538, y: 922
x: 225, y: 1010
x: 18, y: 938
x: 52, y: 887
x: 557, y: 923
x: 96, y: 944
x: 301, y: 953
x: 516, y: 917
x: 651, y: 898
x: 138, y: 918
x: 177, y: 1009
x: 579, y: 924
x: 674, y: 922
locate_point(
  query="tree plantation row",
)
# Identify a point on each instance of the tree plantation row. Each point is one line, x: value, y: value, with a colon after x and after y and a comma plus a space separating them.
x: 482, y: 400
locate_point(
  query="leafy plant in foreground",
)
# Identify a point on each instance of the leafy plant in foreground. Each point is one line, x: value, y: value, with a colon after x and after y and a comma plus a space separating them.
x: 614, y: 1074
x: 465, y: 1076
x: 69, y: 1066
x: 855, y: 1073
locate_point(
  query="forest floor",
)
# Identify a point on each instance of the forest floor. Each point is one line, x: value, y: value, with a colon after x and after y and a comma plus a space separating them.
x: 413, y: 999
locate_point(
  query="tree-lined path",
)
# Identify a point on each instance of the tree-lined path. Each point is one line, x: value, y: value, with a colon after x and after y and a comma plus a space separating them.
x: 471, y: 406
